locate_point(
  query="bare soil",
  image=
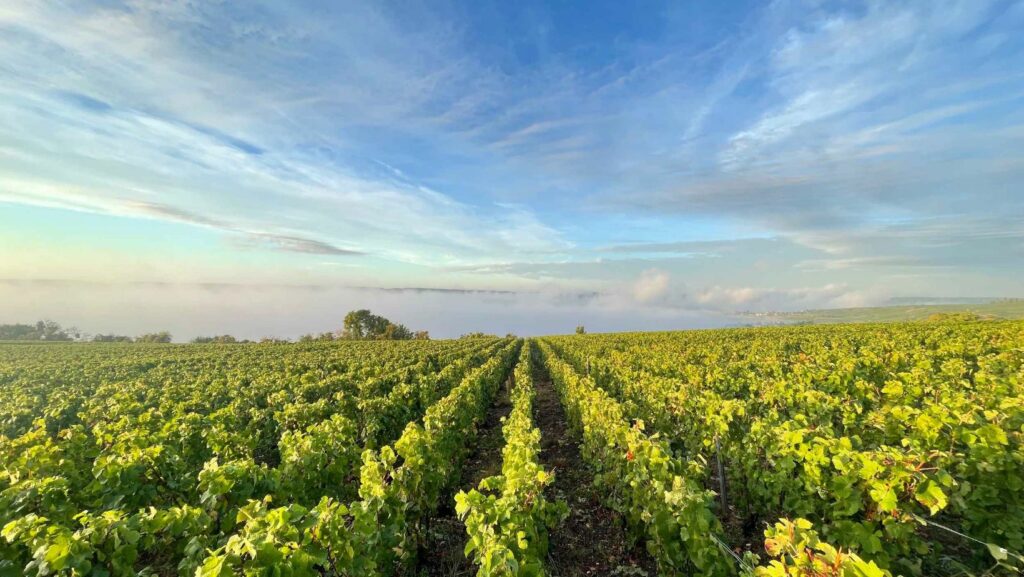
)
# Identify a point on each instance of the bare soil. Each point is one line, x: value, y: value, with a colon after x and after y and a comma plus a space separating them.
x: 592, y: 540
x: 446, y: 537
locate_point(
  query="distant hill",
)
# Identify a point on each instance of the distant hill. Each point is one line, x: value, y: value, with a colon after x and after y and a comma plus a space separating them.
x: 990, y: 310
x: 906, y: 301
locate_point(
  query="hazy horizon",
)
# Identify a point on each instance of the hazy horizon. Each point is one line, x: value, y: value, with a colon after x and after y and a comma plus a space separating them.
x: 289, y: 312
x: 261, y: 168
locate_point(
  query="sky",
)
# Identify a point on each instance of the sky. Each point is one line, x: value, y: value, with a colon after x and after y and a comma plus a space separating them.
x: 263, y: 167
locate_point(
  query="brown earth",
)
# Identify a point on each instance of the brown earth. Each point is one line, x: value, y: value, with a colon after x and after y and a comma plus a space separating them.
x: 592, y: 540
x: 446, y: 537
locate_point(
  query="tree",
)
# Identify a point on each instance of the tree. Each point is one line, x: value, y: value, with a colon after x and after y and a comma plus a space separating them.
x: 581, y: 330
x: 478, y: 335
x: 41, y: 331
x: 111, y: 339
x: 216, y: 339
x: 364, y: 325
x: 18, y: 332
x: 160, y: 337
x: 393, y: 332
x: 359, y: 324
x: 52, y: 331
x: 421, y: 336
x: 313, y: 337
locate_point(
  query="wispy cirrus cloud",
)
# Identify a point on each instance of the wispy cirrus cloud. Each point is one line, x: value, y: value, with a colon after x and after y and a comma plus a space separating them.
x: 872, y: 125
x: 59, y: 197
x: 693, y: 247
x: 226, y: 147
x: 751, y: 151
x: 303, y: 245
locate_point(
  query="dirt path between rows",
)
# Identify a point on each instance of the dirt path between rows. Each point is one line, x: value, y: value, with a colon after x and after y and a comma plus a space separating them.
x: 442, y: 556
x: 592, y: 541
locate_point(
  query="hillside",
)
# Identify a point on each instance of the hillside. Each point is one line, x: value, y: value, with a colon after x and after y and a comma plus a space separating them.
x: 1008, y: 309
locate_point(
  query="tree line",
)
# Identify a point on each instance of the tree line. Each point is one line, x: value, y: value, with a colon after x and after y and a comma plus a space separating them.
x: 358, y: 325
x: 41, y: 331
x: 53, y: 331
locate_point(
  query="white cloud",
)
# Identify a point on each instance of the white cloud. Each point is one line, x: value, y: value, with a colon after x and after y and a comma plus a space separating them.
x: 762, y: 299
x: 833, y: 66
x: 386, y: 134
x: 652, y: 286
x: 810, y: 106
x: 227, y: 145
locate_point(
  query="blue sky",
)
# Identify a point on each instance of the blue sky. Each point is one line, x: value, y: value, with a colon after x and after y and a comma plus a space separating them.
x: 671, y: 157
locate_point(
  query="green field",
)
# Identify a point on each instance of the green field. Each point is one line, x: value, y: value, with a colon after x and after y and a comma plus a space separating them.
x: 1008, y: 310
x: 826, y: 451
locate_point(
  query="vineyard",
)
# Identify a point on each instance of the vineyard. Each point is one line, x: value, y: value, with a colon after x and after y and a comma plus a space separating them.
x: 859, y: 450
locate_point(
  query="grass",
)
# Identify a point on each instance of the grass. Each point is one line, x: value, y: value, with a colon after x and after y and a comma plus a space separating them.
x: 1005, y: 309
